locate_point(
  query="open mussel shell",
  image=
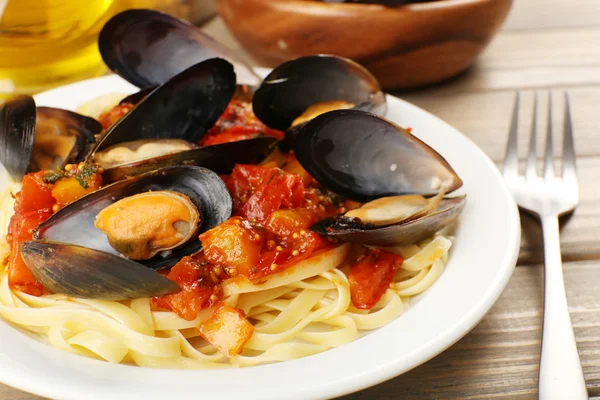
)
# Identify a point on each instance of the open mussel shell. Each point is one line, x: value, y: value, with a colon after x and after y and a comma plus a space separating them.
x: 295, y: 85
x: 74, y: 224
x: 185, y: 107
x: 363, y: 157
x: 220, y: 158
x: 61, y: 137
x: 353, y: 230
x: 91, y: 274
x: 147, y: 48
x: 34, y: 139
x: 17, y: 130
x: 242, y: 92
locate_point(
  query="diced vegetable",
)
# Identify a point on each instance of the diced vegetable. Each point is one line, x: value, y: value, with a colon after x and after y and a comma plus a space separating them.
x: 280, y: 191
x: 233, y: 243
x: 238, y: 122
x: 258, y: 191
x: 67, y: 190
x: 371, y: 276
x: 19, y: 231
x: 34, y: 195
x: 198, y: 289
x: 292, y: 166
x: 108, y: 118
x: 287, y: 222
x: 227, y: 329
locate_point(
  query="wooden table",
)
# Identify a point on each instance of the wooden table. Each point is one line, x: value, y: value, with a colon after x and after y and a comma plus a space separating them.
x: 545, y: 44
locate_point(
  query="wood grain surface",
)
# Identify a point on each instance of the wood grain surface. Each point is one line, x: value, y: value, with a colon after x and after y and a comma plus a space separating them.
x: 545, y: 44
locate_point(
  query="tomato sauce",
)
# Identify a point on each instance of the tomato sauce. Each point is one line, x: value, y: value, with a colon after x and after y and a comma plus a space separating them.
x: 238, y: 122
x: 274, y: 206
x: 371, y: 275
x: 108, y: 118
x: 41, y: 195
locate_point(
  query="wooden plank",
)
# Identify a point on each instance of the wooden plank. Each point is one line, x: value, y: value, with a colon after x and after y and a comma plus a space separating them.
x: 485, y: 117
x: 499, y: 358
x: 544, y: 14
x: 8, y: 393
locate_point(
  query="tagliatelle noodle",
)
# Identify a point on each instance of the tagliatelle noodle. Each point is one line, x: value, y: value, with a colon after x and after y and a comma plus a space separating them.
x: 296, y: 313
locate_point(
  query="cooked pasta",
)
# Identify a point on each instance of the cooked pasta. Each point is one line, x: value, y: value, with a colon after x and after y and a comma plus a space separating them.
x: 294, y: 320
x: 297, y: 319
x: 266, y: 286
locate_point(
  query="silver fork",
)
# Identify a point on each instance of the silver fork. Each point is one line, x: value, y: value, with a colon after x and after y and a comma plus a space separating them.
x: 548, y: 197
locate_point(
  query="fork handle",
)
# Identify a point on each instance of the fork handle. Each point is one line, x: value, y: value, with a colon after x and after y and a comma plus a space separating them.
x: 561, y: 376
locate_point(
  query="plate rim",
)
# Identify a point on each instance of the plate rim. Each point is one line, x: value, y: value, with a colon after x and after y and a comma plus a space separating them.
x: 373, y: 376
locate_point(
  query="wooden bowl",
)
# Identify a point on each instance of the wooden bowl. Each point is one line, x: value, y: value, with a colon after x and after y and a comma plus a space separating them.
x: 404, y: 47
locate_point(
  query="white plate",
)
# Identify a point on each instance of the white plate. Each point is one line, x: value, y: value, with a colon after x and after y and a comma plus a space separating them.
x: 480, y: 265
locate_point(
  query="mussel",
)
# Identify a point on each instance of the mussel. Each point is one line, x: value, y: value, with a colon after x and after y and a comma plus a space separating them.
x: 145, y: 224
x: 399, y: 233
x: 165, y: 125
x: 363, y: 157
x: 185, y: 107
x: 154, y: 218
x: 312, y: 85
x: 34, y: 139
x: 91, y: 274
x: 147, y: 48
x: 17, y: 130
x: 220, y: 158
x: 366, y: 158
x: 61, y: 137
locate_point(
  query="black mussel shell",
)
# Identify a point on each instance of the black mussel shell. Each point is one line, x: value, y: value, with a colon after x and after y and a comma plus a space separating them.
x: 242, y: 92
x: 220, y: 158
x: 353, y: 230
x: 74, y: 224
x: 297, y: 84
x: 83, y: 129
x: 185, y: 107
x: 91, y: 274
x: 147, y: 48
x: 363, y: 157
x: 17, y: 130
x: 138, y: 96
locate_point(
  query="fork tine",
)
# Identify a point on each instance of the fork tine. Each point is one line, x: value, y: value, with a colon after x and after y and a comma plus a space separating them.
x: 548, y: 166
x: 569, y: 166
x: 511, y: 161
x: 530, y: 169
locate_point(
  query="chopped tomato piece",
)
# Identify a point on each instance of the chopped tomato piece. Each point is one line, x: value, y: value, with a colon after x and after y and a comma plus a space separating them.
x: 238, y: 122
x: 280, y: 258
x: 371, y: 276
x: 234, y: 243
x: 227, y: 329
x: 20, y: 230
x: 198, y: 288
x: 286, y: 223
x: 107, y: 119
x: 281, y: 190
x: 227, y: 137
x: 34, y: 195
x: 294, y: 167
x: 270, y: 262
